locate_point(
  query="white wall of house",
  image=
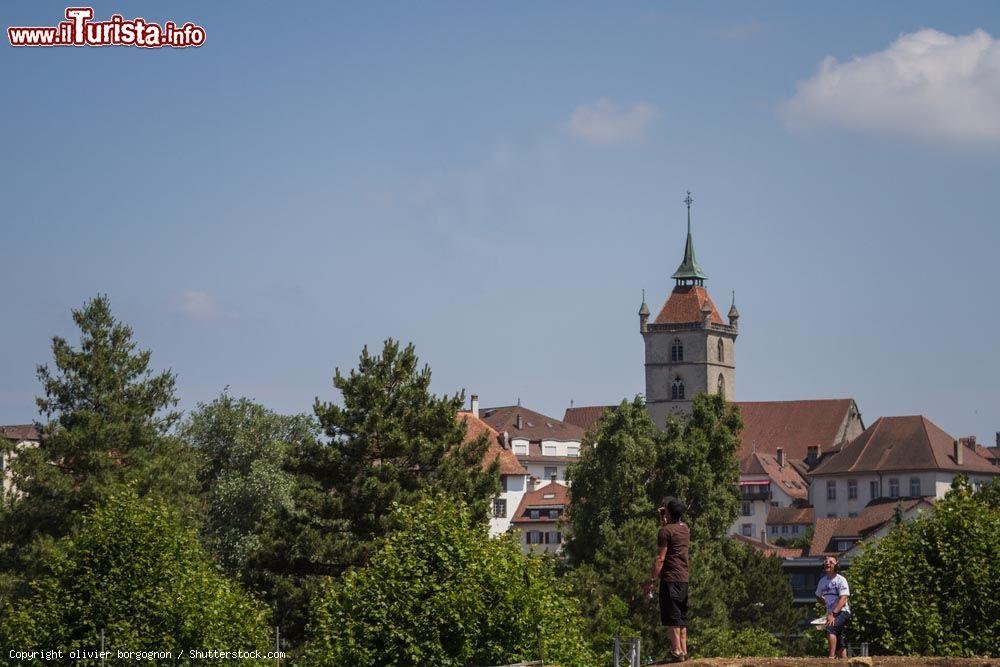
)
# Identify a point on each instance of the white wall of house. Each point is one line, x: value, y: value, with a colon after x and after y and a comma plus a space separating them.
x: 543, y: 471
x: 751, y: 524
x: 885, y: 485
x: 516, y: 485
x: 8, y: 483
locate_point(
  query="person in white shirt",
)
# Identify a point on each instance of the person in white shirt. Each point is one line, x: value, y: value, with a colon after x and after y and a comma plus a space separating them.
x: 833, y: 591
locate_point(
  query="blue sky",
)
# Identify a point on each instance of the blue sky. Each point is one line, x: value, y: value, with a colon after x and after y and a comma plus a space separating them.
x: 498, y: 182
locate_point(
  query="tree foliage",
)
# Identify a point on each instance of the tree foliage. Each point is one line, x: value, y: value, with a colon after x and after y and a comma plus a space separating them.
x: 244, y: 450
x: 108, y: 420
x: 136, y: 572
x: 439, y: 591
x: 928, y: 587
x: 390, y: 441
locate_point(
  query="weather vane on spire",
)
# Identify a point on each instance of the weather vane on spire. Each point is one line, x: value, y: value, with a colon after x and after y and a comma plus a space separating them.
x: 689, y: 201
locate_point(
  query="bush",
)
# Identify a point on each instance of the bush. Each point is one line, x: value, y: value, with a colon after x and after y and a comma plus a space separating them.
x: 439, y: 591
x: 133, y: 571
x: 929, y: 586
x: 725, y: 643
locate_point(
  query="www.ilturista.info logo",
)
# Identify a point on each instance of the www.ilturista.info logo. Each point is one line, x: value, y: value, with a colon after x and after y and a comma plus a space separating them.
x: 80, y: 30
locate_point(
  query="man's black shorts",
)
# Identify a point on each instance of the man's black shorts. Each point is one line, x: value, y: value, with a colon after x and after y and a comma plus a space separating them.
x: 674, y: 603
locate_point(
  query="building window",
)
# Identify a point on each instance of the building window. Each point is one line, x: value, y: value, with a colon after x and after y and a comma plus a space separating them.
x: 521, y: 448
x: 852, y: 489
x: 722, y: 351
x: 677, y: 390
x: 722, y: 387
x: 914, y: 486
x: 784, y: 530
x: 873, y: 489
x: 893, y: 488
x: 844, y: 545
x: 549, y: 450
x: 572, y: 450
x: 677, y: 350
x: 746, y: 530
x: 774, y: 530
x: 795, y: 529
x: 831, y: 489
x: 504, y: 483
x: 747, y: 508
x: 852, y: 515
x: 500, y: 508
x: 534, y: 514
x: 553, y: 538
x: 553, y: 514
x: 550, y: 472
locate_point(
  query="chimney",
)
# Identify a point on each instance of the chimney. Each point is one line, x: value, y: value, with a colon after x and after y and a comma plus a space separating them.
x: 532, y: 483
x: 552, y: 478
x: 517, y: 421
x: 763, y: 536
x: 780, y: 456
x: 475, y: 405
x: 505, y: 440
x: 957, y: 451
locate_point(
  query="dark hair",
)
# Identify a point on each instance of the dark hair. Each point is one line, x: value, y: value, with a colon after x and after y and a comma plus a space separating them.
x: 674, y: 508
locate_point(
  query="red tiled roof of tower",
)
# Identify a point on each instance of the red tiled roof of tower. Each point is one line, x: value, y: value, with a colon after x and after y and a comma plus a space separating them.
x: 20, y: 432
x: 552, y: 494
x: 684, y: 304
x: 475, y: 427
x: 793, y: 425
x: 911, y: 442
x: 584, y: 417
x: 534, y: 425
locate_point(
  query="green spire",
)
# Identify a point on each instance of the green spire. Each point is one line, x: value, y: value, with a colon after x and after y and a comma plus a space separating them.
x: 689, y: 269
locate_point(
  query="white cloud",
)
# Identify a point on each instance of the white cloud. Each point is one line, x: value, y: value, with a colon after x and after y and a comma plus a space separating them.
x: 602, y: 122
x: 927, y: 84
x: 199, y: 306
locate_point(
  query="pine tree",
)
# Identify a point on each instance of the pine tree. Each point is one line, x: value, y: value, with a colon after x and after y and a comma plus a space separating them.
x: 108, y: 420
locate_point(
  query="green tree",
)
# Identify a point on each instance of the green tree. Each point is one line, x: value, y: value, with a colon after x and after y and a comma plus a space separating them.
x: 390, y: 441
x: 135, y: 571
x: 439, y: 591
x: 928, y: 586
x: 245, y: 450
x: 108, y: 421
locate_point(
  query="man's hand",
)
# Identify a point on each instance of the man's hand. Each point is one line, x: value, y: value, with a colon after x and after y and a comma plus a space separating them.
x: 648, y: 589
x: 830, y: 618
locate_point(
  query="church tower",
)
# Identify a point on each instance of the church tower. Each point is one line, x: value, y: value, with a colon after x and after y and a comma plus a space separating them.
x: 688, y: 347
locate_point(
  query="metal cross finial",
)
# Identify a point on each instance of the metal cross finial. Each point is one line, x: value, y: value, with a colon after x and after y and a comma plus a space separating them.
x: 644, y: 296
x: 689, y: 201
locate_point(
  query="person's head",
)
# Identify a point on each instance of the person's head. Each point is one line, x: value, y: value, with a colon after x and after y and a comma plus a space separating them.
x: 671, y: 509
x: 830, y: 565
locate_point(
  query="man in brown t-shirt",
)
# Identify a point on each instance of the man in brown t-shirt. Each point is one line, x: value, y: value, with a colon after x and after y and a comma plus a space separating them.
x: 670, y: 567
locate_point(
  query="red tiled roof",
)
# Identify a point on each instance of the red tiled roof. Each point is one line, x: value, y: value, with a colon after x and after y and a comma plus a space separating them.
x: 869, y: 520
x: 786, y: 477
x: 475, y: 427
x: 585, y: 416
x: 988, y: 453
x: 903, y: 443
x: 768, y: 549
x: 793, y: 425
x: 539, y: 499
x: 684, y: 304
x: 20, y: 432
x: 534, y: 425
x: 791, y: 515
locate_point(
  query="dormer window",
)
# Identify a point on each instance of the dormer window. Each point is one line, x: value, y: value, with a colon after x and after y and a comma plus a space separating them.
x: 677, y: 390
x: 677, y: 350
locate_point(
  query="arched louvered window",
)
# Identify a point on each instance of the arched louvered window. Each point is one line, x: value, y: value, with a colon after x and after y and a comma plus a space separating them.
x: 722, y: 386
x: 677, y: 350
x: 677, y: 390
x: 722, y: 351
